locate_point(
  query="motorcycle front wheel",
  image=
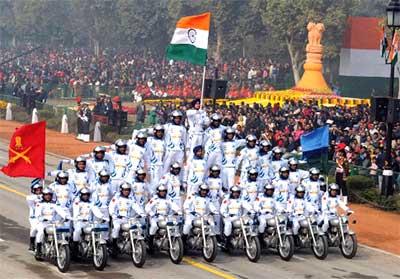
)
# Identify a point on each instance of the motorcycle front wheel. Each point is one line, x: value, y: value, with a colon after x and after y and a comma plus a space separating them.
x: 349, y: 247
x: 176, y: 250
x: 320, y: 250
x: 210, y: 252
x: 286, y: 251
x: 64, y: 259
x: 253, y: 252
x: 100, y: 260
x: 139, y: 256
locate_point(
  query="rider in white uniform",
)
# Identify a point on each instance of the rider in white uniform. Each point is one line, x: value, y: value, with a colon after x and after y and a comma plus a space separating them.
x: 64, y: 192
x: 329, y: 205
x: 195, y: 171
x: 248, y: 157
x: 175, y: 140
x: 197, y: 120
x: 298, y: 208
x: 158, y: 208
x: 282, y: 188
x: 213, y: 137
x: 216, y: 194
x: 198, y: 205
x: 229, y: 148
x: 33, y: 200
x: 122, y: 163
x: 265, y: 206
x: 83, y: 211
x: 46, y: 212
x: 140, y: 188
x: 156, y: 145
x: 265, y: 171
x: 138, y: 153
x: 80, y: 175
x: 276, y: 161
x: 102, y: 192
x: 99, y: 161
x: 173, y: 182
x: 123, y: 207
x: 232, y: 208
x: 313, y: 189
x: 251, y: 187
x: 296, y: 176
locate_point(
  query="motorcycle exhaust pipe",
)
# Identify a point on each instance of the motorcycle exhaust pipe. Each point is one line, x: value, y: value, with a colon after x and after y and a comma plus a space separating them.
x: 94, y: 244
x: 55, y: 240
x: 203, y: 232
x: 311, y: 231
x: 132, y: 241
x: 278, y: 230
x: 244, y: 234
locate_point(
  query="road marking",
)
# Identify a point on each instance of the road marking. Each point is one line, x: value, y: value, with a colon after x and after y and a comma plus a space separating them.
x: 189, y: 261
x: 379, y: 250
x: 11, y: 190
x: 208, y: 268
x: 299, y: 258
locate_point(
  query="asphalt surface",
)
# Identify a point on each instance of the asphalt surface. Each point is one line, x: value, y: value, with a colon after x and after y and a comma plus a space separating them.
x: 17, y: 262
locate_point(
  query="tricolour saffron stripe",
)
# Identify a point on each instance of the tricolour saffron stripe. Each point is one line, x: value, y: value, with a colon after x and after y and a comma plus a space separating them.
x: 200, y: 38
x: 187, y: 52
x: 201, y: 21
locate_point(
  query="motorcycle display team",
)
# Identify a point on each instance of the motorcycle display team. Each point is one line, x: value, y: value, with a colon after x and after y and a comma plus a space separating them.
x: 175, y: 188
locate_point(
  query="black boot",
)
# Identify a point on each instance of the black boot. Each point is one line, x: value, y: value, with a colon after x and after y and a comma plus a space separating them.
x: 150, y: 250
x: 74, y: 250
x: 38, y: 252
x: 114, y: 248
x: 32, y: 244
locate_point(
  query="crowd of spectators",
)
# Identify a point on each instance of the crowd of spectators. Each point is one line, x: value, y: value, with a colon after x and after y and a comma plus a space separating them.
x: 355, y: 140
x: 143, y: 74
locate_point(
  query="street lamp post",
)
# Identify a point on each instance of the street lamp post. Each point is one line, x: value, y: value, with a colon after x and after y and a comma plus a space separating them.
x: 393, y: 22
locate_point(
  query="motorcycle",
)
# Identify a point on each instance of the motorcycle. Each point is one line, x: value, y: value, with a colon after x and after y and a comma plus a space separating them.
x: 279, y: 237
x: 244, y: 236
x: 93, y: 244
x: 310, y: 235
x: 340, y: 235
x: 132, y: 241
x: 55, y: 246
x: 202, y: 237
x: 168, y: 238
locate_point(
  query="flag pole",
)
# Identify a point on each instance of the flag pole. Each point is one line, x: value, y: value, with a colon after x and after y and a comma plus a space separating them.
x: 202, y: 87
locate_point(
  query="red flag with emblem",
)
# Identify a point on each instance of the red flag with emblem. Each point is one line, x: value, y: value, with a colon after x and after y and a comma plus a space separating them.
x: 26, y: 152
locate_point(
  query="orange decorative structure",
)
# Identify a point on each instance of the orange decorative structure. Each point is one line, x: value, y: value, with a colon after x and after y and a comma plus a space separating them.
x: 312, y: 79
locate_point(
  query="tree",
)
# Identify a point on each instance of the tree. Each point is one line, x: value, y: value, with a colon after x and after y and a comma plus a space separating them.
x: 287, y: 21
x: 97, y: 20
x: 144, y: 24
x: 41, y: 21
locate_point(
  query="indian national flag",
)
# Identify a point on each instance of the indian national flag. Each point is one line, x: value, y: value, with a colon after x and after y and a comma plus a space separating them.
x: 190, y: 40
x: 362, y: 69
x: 393, y: 55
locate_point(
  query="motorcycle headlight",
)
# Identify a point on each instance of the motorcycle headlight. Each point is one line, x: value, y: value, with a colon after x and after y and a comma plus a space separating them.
x: 87, y: 230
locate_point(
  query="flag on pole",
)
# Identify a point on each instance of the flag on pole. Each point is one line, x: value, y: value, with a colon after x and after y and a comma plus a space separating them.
x: 26, y: 152
x: 394, y: 49
x: 190, y: 39
x: 315, y: 143
x: 384, y: 43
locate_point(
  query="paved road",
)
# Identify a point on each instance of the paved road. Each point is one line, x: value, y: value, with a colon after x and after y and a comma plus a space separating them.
x: 17, y: 262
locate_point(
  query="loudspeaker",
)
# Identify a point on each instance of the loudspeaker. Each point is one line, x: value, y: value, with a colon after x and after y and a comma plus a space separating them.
x: 218, y: 92
x: 393, y: 110
x: 379, y: 109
